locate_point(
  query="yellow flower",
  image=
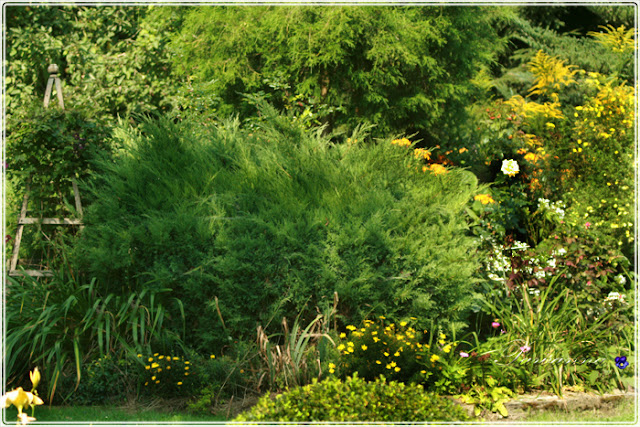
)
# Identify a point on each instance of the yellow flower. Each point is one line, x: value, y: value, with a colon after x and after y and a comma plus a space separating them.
x: 186, y: 368
x: 179, y: 382
x: 186, y: 362
x: 153, y: 378
x: 550, y: 125
x: 139, y: 355
x: 147, y: 367
x: 351, y: 328
x: 447, y: 348
x: 404, y: 142
x: 434, y: 358
x: 161, y: 357
x: 332, y: 365
x: 350, y: 350
x: 403, y: 324
x: 378, y: 362
x: 350, y: 344
x: 393, y: 364
x: 386, y: 354
x: 422, y: 153
x: 397, y: 369
x: 396, y: 354
x: 213, y: 356
x: 341, y: 347
x: 150, y: 359
x: 20, y: 399
x: 484, y: 199
x: 154, y: 365
x: 364, y: 347
x: 34, y: 376
x: 156, y: 354
x: 175, y: 358
x: 437, y: 169
x: 168, y: 367
x: 343, y: 335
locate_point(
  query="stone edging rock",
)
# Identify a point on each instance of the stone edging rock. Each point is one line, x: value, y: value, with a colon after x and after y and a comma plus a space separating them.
x: 524, y: 405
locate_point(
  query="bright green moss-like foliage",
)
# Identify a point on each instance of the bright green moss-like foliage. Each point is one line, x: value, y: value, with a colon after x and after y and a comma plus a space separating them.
x: 355, y: 399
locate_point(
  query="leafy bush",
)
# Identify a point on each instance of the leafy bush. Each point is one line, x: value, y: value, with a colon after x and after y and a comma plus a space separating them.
x: 112, y: 53
x: 248, y: 226
x: 352, y: 400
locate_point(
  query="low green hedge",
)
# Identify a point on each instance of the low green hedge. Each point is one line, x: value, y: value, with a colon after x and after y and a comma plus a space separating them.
x: 355, y: 399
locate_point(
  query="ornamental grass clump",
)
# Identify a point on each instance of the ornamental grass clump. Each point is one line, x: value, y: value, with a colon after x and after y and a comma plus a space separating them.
x: 355, y: 399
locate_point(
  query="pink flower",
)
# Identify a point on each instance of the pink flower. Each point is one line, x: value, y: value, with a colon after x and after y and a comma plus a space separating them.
x: 587, y: 224
x: 495, y: 325
x: 525, y: 348
x: 502, y: 331
x: 463, y: 354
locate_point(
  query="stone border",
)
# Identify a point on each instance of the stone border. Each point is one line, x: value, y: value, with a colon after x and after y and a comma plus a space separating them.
x: 524, y: 405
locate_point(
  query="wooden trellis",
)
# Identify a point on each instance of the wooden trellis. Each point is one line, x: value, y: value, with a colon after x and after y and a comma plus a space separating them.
x: 23, y: 219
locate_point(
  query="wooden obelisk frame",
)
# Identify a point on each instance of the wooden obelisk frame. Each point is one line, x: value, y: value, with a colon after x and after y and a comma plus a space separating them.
x: 23, y: 219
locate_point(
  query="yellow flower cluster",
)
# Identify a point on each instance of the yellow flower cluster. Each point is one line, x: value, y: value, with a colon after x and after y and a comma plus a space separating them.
x: 168, y: 368
x: 404, y: 142
x: 436, y: 169
x: 551, y: 74
x: 421, y: 153
x: 618, y: 39
x: 485, y: 199
x: 530, y: 109
x: 379, y: 345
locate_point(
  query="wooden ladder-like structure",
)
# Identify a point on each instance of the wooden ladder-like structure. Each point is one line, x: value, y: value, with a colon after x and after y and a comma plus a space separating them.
x: 23, y: 219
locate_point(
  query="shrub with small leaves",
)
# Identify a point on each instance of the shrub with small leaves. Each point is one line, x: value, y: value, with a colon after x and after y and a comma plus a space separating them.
x: 355, y: 399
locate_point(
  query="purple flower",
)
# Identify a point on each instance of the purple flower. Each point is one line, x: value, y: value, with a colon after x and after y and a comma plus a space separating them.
x: 495, y: 325
x: 525, y: 348
x: 463, y: 354
x: 502, y: 331
x: 621, y: 362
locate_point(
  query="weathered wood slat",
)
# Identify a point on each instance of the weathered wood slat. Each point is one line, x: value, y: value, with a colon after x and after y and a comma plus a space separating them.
x: 50, y: 221
x: 32, y: 273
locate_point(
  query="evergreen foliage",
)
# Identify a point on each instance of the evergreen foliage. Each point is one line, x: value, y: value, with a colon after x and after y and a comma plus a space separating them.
x: 272, y: 221
x: 404, y: 69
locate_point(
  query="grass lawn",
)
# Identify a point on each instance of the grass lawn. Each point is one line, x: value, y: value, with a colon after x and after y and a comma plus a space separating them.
x: 624, y: 412
x: 109, y: 414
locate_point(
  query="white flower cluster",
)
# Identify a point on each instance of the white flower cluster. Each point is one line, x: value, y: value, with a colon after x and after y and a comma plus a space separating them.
x: 620, y: 279
x: 557, y: 207
x: 615, y: 296
x: 560, y: 252
x: 519, y: 246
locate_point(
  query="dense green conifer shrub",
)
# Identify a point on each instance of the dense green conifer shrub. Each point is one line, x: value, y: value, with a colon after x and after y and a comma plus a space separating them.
x: 403, y: 69
x: 272, y: 221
